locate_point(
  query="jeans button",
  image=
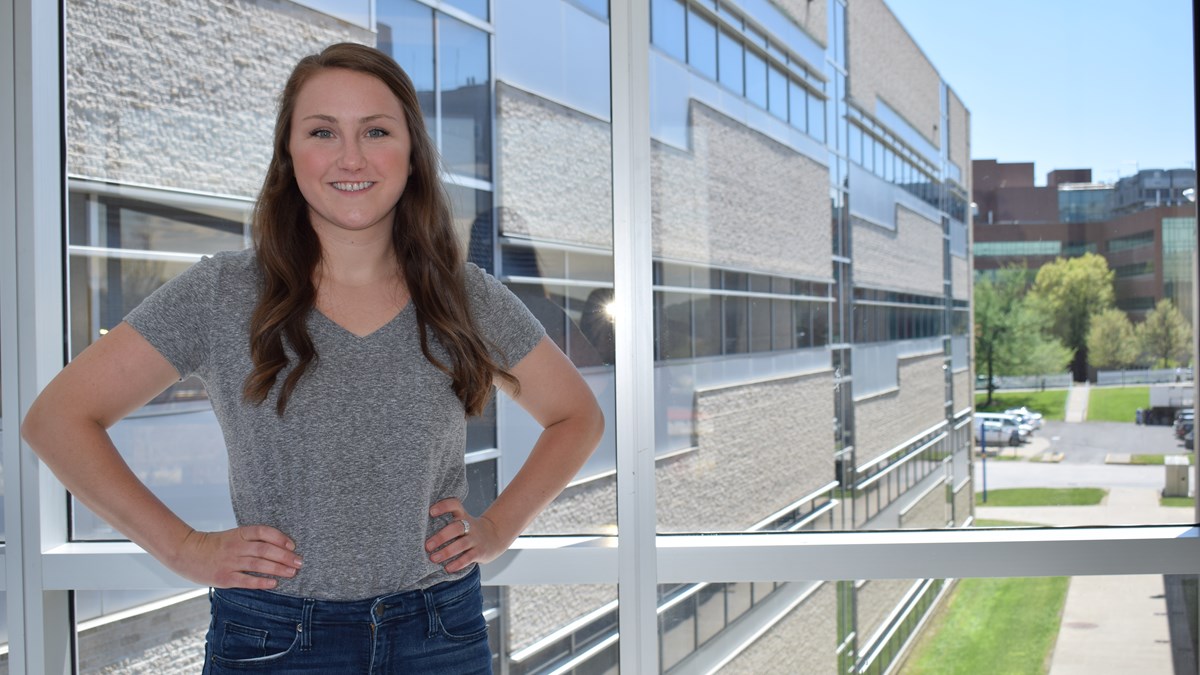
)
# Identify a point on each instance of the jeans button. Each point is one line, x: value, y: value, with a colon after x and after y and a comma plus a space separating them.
x: 378, y: 610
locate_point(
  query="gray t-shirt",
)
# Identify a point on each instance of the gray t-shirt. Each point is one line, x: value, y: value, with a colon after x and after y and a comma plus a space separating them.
x: 372, y: 436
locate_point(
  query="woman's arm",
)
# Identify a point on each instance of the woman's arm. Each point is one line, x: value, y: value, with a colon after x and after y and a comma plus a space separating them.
x: 67, y: 427
x: 555, y: 394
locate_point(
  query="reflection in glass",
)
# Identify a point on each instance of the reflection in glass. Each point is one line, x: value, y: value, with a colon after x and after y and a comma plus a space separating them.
x: 465, y: 112
x: 667, y: 28
x: 702, y: 44
x: 406, y: 32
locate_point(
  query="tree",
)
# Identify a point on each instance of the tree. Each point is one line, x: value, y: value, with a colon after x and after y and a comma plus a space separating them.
x: 1111, y: 342
x: 1165, y: 336
x: 1068, y: 293
x: 1010, y: 337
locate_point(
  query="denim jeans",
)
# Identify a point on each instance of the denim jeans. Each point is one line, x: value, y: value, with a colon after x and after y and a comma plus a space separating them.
x: 438, y: 630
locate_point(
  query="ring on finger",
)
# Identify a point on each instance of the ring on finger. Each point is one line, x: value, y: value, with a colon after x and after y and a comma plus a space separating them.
x: 466, y: 526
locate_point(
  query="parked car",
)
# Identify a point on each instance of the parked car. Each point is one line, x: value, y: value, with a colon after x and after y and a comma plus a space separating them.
x: 1031, y: 417
x: 1014, y: 429
x: 1183, y: 421
x: 995, y: 434
x: 1189, y: 439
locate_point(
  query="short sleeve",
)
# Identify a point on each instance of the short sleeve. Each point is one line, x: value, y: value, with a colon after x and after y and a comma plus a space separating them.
x: 505, y: 322
x: 176, y: 318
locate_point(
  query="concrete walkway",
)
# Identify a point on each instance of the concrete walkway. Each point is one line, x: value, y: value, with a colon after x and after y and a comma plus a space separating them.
x: 1114, y: 624
x: 1077, y: 403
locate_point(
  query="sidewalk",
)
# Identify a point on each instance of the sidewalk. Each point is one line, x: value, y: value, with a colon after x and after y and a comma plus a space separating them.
x: 1077, y: 403
x: 1110, y: 624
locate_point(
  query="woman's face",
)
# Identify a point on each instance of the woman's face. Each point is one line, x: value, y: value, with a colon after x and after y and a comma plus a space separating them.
x: 350, y: 149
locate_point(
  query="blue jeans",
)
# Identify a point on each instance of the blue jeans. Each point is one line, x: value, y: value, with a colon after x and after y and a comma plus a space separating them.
x: 438, y: 630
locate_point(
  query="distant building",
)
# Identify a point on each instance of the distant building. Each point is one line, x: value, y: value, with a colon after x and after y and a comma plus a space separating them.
x: 1144, y: 225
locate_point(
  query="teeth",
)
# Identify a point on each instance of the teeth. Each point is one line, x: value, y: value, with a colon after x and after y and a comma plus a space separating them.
x: 353, y: 187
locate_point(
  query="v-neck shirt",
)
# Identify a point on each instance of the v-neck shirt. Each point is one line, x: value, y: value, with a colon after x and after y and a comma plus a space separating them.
x: 372, y: 435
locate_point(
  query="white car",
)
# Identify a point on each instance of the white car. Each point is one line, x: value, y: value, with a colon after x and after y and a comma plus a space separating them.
x: 1010, y: 422
x: 995, y: 434
x: 1030, y: 417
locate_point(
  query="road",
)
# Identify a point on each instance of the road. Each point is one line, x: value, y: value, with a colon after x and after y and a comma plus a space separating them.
x: 1084, y: 447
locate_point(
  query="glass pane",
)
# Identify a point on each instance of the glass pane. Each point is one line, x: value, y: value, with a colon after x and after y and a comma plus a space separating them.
x: 702, y: 44
x: 667, y: 28
x: 756, y: 78
x: 406, y: 32
x: 552, y: 223
x: 730, y: 52
x: 777, y: 92
x: 465, y: 112
x: 477, y: 7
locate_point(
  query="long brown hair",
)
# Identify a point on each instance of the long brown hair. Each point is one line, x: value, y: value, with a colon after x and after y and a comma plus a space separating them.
x: 423, y: 239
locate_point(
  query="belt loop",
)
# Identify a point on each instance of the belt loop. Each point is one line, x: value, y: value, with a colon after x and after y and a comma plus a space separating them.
x: 306, y: 624
x: 430, y: 611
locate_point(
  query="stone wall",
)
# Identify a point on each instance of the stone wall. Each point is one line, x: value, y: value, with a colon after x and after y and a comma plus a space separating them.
x: 876, y: 600
x: 881, y: 422
x: 555, y: 170
x: 167, y: 641
x: 908, y: 258
x: 761, y: 447
x: 887, y: 64
x: 739, y: 199
x: 810, y: 15
x: 930, y: 510
x: 802, y: 642
x: 182, y: 94
x: 960, y: 137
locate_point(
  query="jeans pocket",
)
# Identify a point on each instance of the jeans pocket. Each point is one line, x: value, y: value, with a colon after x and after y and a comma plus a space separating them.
x: 243, y: 638
x: 461, y: 618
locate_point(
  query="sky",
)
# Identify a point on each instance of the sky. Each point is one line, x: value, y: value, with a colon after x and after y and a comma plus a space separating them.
x: 1065, y: 84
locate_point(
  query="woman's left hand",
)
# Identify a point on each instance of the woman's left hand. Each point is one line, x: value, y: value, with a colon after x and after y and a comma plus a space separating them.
x: 465, y: 540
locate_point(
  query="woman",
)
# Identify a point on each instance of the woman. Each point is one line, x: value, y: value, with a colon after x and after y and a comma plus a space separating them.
x: 342, y: 355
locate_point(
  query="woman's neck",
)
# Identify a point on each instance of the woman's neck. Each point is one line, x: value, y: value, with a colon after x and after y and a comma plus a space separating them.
x: 357, y: 260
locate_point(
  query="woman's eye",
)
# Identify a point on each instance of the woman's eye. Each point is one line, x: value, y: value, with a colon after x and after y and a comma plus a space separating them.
x: 321, y: 133
x: 377, y: 133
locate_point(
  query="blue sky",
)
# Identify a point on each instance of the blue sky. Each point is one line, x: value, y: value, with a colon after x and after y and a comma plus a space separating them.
x: 1066, y: 84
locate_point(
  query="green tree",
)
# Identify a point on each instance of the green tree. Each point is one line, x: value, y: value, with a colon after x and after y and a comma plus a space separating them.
x: 1111, y: 342
x: 1165, y: 336
x: 1010, y: 337
x: 1068, y: 293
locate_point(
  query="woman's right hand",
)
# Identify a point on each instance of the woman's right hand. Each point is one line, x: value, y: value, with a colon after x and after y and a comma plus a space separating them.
x: 244, y: 557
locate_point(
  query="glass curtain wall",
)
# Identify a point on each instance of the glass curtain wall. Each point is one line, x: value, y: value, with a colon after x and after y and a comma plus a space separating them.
x: 808, y: 305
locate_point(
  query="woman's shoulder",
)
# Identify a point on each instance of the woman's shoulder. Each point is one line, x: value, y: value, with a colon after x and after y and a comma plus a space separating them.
x: 230, y: 268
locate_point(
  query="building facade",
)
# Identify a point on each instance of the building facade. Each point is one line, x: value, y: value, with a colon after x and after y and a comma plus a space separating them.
x: 811, y: 283
x: 1144, y: 226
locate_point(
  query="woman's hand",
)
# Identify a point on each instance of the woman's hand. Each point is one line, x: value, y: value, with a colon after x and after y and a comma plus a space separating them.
x: 244, y: 557
x: 456, y: 545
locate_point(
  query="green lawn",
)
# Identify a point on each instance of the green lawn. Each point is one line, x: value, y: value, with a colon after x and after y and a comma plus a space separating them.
x: 992, y: 626
x: 1116, y: 404
x: 1182, y: 502
x: 1156, y: 459
x: 1042, y: 497
x: 1050, y: 403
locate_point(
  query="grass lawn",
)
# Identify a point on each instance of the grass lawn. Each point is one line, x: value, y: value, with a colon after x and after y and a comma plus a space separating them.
x: 1042, y: 497
x: 1050, y: 403
x: 1187, y: 502
x: 1116, y: 404
x: 1156, y: 459
x: 992, y: 626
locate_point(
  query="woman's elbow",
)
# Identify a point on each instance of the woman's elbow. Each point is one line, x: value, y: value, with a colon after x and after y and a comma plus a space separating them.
x: 593, y: 427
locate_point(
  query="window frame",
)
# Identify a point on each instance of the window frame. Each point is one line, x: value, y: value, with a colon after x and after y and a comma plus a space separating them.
x: 39, y: 567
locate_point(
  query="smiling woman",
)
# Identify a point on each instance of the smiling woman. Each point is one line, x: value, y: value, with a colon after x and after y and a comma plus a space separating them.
x: 351, y: 231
